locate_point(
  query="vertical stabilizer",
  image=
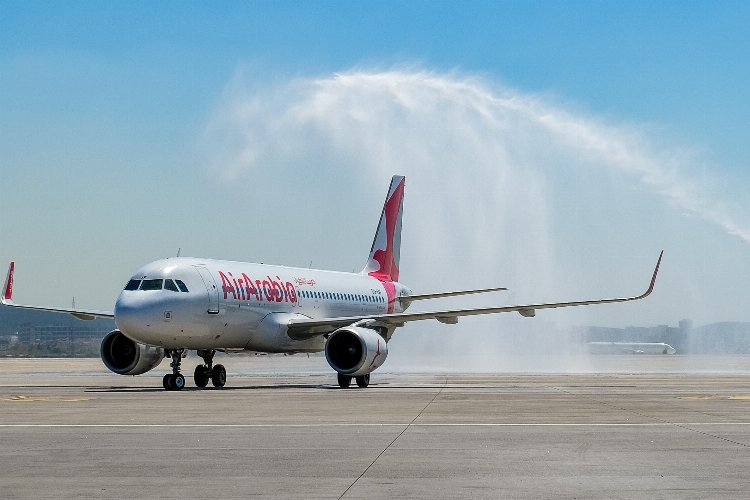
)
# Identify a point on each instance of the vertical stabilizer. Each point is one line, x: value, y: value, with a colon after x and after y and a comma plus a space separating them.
x: 7, y: 296
x: 386, y: 246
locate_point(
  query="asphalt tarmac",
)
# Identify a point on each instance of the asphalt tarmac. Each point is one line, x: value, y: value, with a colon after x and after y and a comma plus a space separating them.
x: 282, y: 429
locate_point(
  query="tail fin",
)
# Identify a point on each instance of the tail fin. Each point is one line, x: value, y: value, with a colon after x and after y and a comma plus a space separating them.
x: 7, y: 297
x: 386, y: 246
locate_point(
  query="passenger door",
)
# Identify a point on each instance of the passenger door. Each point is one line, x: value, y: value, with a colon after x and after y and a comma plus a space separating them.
x: 211, y: 289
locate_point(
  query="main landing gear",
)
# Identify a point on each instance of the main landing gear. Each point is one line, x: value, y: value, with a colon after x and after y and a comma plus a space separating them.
x: 175, y: 381
x: 362, y: 381
x: 205, y: 372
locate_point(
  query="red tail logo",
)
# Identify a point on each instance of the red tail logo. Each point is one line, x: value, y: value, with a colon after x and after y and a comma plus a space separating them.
x: 386, y: 247
x: 8, y: 290
x: 385, y: 253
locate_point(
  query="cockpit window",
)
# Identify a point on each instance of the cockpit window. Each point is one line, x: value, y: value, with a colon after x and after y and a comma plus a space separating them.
x: 182, y: 286
x: 151, y: 284
x: 132, y: 285
x: 169, y: 285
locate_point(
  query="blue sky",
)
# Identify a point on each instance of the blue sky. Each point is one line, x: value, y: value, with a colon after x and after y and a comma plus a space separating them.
x: 109, y: 142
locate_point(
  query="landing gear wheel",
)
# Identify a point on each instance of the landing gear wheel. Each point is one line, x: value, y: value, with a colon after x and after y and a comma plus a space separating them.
x: 174, y: 381
x: 178, y: 382
x: 345, y: 381
x: 201, y: 376
x: 218, y: 376
x: 363, y: 381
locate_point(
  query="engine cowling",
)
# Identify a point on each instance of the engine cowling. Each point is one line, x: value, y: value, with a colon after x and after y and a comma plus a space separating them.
x: 355, y: 351
x: 126, y: 356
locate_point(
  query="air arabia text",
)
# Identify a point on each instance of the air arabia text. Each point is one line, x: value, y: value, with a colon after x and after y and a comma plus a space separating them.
x: 268, y: 289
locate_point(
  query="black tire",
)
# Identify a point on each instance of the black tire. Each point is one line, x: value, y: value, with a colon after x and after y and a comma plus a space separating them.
x: 167, y: 382
x: 218, y: 376
x: 201, y: 376
x: 363, y: 381
x: 345, y: 381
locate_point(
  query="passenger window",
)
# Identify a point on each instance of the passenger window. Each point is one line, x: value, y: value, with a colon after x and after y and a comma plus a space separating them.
x: 132, y: 285
x: 151, y: 284
x: 169, y: 285
x: 181, y: 285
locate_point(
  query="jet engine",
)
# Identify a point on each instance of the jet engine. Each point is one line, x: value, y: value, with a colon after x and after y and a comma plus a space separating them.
x: 127, y: 357
x: 355, y: 351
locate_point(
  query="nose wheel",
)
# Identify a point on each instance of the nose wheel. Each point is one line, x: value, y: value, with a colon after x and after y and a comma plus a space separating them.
x: 175, y: 381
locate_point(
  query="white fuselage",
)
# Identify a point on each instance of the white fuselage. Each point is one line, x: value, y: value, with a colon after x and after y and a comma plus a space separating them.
x: 237, y: 306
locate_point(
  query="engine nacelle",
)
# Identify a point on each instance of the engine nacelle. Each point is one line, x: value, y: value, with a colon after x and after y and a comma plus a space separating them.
x: 127, y: 357
x: 355, y: 351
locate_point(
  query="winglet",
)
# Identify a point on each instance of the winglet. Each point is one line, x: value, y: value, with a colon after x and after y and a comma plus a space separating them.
x: 7, y: 297
x: 653, y: 278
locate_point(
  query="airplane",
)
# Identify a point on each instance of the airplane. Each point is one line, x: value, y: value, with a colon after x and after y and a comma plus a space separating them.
x: 175, y: 305
x: 630, y: 348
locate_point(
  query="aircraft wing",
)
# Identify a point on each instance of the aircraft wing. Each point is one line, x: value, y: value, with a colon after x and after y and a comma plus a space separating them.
x: 408, y: 299
x: 7, y: 300
x: 307, y: 328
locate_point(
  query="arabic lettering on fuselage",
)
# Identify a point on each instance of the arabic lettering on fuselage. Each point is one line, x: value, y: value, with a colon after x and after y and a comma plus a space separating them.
x: 269, y: 289
x: 304, y: 281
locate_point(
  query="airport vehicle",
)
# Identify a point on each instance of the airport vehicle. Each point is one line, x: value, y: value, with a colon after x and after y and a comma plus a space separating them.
x: 630, y: 348
x: 178, y: 304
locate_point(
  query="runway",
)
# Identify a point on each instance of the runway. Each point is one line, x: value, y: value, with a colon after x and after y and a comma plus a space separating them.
x: 282, y: 429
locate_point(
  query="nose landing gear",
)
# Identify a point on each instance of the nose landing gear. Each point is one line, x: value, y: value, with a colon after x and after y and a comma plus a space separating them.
x: 175, y: 381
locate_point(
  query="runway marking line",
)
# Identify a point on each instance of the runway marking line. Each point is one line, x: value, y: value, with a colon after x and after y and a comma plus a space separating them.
x: 304, y: 426
x: 715, y: 398
x: 37, y: 399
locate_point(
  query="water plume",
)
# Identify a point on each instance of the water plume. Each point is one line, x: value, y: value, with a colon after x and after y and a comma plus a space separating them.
x: 503, y: 188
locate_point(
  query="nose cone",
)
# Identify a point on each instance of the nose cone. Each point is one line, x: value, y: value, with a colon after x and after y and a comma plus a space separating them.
x: 132, y: 315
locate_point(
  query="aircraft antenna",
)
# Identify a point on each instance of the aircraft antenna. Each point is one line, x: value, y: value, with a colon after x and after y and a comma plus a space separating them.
x: 178, y: 251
